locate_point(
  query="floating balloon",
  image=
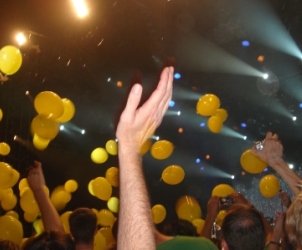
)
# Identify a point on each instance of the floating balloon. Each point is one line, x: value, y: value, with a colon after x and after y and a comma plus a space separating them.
x: 252, y: 163
x: 13, y: 214
x: 107, y: 234
x: 5, y: 173
x: 207, y: 105
x: 215, y: 124
x: 60, y: 197
x: 9, y: 201
x: 65, y: 221
x: 11, y: 229
x: 102, y: 188
x: 158, y: 213
x: 99, y: 242
x: 49, y: 104
x: 222, y: 190
x: 162, y: 149
x: 113, y: 204
x: 269, y: 186
x: 23, y: 183
x: 187, y: 208
x: 112, y: 175
x: 90, y: 189
x: 220, y: 217
x: 106, y: 218
x: 69, y: 111
x: 4, y: 148
x: 45, y: 127
x: 28, y: 202
x: 99, y: 155
x: 111, y: 147
x: 4, y: 192
x: 146, y: 146
x: 71, y: 186
x: 30, y: 217
x: 10, y: 59
x: 40, y: 143
x: 1, y: 115
x: 14, y: 177
x: 222, y: 114
x: 198, y: 224
x: 173, y: 175
x: 38, y: 226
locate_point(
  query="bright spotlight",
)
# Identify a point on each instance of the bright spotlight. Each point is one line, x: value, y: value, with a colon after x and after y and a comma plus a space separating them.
x: 178, y: 113
x: 83, y: 131
x: 245, y: 43
x: 197, y: 160
x: 300, y: 105
x: 265, y: 76
x: 177, y: 76
x: 81, y: 8
x: 171, y: 104
x: 243, y: 125
x: 291, y: 166
x: 202, y: 124
x: 244, y: 137
x: 20, y: 38
x: 62, y: 127
x: 294, y: 118
x: 233, y: 177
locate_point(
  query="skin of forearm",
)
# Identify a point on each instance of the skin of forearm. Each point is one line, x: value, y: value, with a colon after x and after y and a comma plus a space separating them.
x: 136, y: 228
x: 207, y: 228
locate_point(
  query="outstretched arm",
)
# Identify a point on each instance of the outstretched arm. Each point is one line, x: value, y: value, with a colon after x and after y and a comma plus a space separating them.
x: 50, y: 217
x: 272, y: 153
x: 136, y: 125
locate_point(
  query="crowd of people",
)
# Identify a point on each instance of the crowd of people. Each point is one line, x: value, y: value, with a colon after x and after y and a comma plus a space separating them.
x: 243, y: 228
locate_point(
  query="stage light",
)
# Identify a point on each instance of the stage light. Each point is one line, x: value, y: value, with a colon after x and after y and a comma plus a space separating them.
x: 83, y: 131
x: 243, y: 125
x: 245, y: 43
x: 202, y: 124
x: 294, y: 118
x: 177, y: 76
x: 20, y: 38
x: 244, y: 137
x: 108, y: 79
x: 197, y: 160
x: 27, y: 92
x: 291, y: 166
x: 171, y: 104
x: 178, y: 113
x: 80, y: 7
x: 300, y: 105
x: 62, y: 127
x: 265, y: 76
x: 233, y: 177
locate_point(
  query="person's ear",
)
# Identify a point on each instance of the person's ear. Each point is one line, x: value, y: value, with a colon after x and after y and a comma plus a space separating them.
x: 224, y: 245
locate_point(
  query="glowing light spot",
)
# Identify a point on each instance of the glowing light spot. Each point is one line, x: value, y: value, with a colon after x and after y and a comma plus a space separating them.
x: 300, y: 105
x: 119, y: 84
x: 180, y: 130
x: 108, y: 79
x: 171, y: 104
x: 294, y: 118
x: 208, y: 157
x: 202, y: 124
x: 243, y: 125
x: 265, y: 76
x: 27, y: 92
x: 244, y: 137
x: 83, y: 131
x: 177, y: 76
x: 62, y: 127
x: 178, y: 113
x: 260, y: 58
x: 291, y: 166
x: 20, y: 38
x: 245, y: 43
x: 80, y: 7
x: 233, y: 177
x: 197, y: 160
x: 242, y: 173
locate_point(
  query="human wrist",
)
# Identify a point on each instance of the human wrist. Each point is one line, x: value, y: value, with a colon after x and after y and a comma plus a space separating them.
x: 274, y: 159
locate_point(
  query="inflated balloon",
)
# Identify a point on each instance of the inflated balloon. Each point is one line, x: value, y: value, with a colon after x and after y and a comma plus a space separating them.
x: 222, y: 114
x: 102, y: 188
x: 59, y: 198
x: 162, y: 149
x: 10, y: 59
x: 252, y: 163
x: 99, y: 155
x: 13, y: 214
x: 113, y: 204
x: 99, y: 242
x: 215, y: 124
x: 222, y: 190
x: 173, y: 175
x: 4, y: 192
x: 90, y: 189
x: 207, y: 105
x: 106, y: 218
x: 49, y: 104
x: 5, y: 173
x: 30, y: 217
x: 9, y: 201
x: 111, y: 147
x: 11, y: 229
x: 69, y: 111
x: 65, y: 221
x: 4, y: 148
x: 1, y: 115
x: 23, y: 183
x: 107, y: 234
x: 71, y: 186
x: 158, y: 213
x: 12, y: 180
x: 187, y: 208
x: 28, y: 202
x: 146, y: 146
x: 40, y: 143
x: 112, y: 175
x: 38, y: 226
x: 269, y: 186
x: 45, y: 127
x: 220, y: 217
x: 198, y: 224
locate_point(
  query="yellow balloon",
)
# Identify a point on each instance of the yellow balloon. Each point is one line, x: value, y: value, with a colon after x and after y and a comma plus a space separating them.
x: 222, y: 190
x: 107, y: 234
x: 252, y: 163
x: 38, y: 226
x: 215, y: 124
x: 4, y: 148
x: 187, y: 208
x: 14, y: 177
x: 106, y: 218
x: 49, y: 104
x: 4, y: 192
x: 28, y: 202
x: 23, y: 183
x: 146, y: 146
x: 207, y: 105
x: 69, y: 111
x: 173, y: 175
x: 71, y: 186
x: 113, y: 204
x: 65, y: 221
x: 10, y: 59
x: 9, y: 202
x: 220, y: 217
x: 13, y: 214
x: 162, y: 149
x: 90, y: 189
x: 222, y: 114
x: 99, y: 242
x: 99, y: 155
x: 5, y: 173
x: 45, y: 127
x: 269, y: 186
x: 112, y: 175
x: 111, y: 147
x: 198, y: 224
x: 59, y: 198
x: 102, y: 188
x: 158, y: 213
x: 40, y: 143
x: 11, y: 229
x: 30, y: 217
x: 1, y: 114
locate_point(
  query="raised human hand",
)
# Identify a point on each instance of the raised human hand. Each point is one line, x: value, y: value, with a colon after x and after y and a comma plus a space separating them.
x: 285, y: 199
x: 35, y: 177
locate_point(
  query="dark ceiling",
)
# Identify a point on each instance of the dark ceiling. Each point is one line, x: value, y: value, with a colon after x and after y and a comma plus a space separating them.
x: 130, y: 41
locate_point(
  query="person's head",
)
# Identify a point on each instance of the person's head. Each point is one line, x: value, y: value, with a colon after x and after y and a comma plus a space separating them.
x: 83, y: 225
x: 8, y: 245
x: 179, y: 227
x: 242, y: 228
x: 293, y: 222
x: 50, y: 240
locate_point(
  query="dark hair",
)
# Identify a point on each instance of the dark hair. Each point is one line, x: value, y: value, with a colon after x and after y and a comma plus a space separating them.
x: 243, y: 228
x: 83, y: 225
x: 53, y: 240
x: 179, y: 227
x: 8, y: 245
